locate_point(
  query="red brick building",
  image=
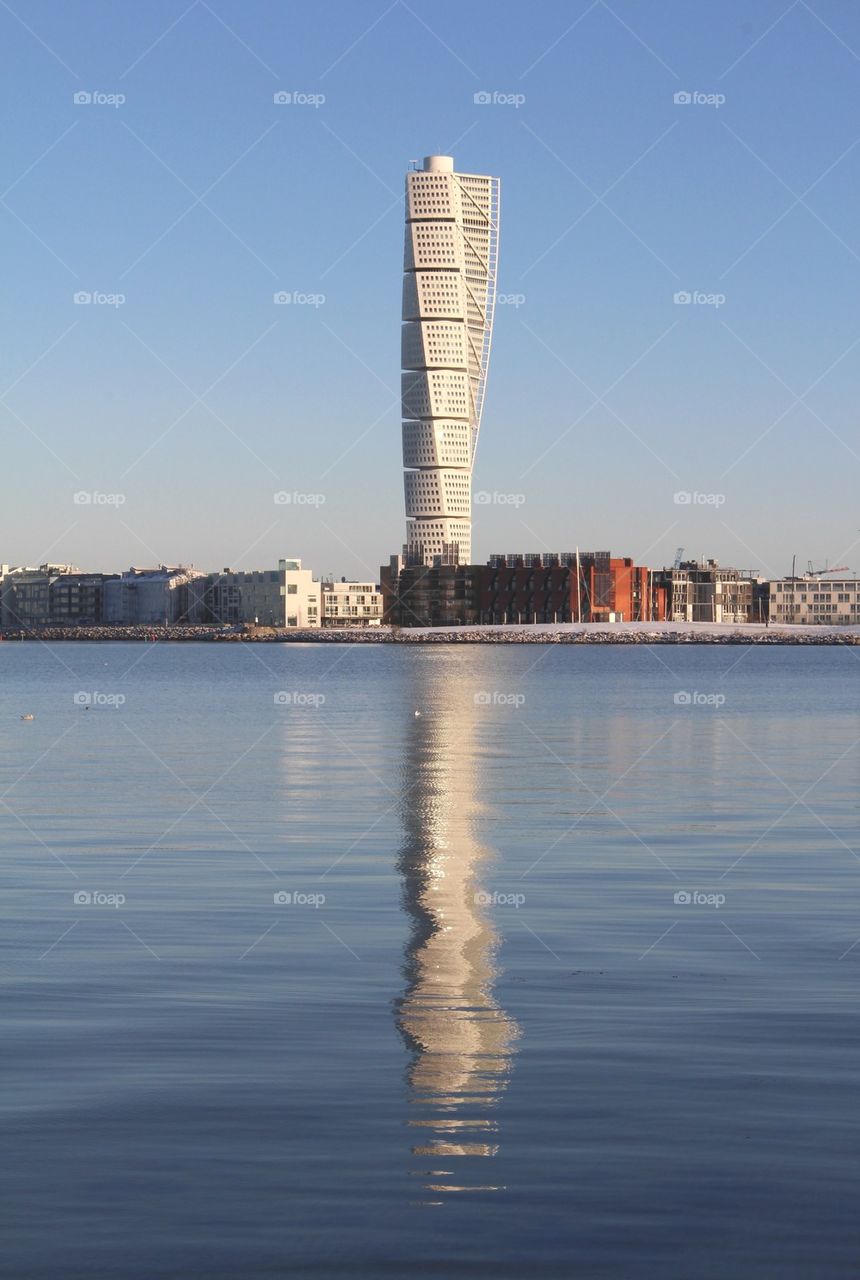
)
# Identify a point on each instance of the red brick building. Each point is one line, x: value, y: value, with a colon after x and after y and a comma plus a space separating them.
x: 531, y: 588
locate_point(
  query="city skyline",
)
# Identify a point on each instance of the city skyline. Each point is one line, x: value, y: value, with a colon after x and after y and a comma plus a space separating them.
x: 252, y: 234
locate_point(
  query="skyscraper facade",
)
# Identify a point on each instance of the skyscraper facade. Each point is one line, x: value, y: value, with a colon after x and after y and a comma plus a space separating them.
x: 449, y: 290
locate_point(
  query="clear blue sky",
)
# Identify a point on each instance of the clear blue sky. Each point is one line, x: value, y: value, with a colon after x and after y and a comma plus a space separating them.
x: 755, y: 199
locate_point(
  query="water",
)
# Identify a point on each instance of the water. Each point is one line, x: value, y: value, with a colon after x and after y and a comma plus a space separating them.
x: 481, y: 1038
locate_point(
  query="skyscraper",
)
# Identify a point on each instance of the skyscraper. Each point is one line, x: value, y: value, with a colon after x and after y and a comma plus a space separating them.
x: 449, y: 289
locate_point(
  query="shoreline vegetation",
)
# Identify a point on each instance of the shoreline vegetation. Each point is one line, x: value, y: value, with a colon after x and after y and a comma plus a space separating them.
x: 650, y: 633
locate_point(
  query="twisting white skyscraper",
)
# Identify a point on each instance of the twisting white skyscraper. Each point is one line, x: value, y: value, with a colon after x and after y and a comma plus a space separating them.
x: 449, y: 290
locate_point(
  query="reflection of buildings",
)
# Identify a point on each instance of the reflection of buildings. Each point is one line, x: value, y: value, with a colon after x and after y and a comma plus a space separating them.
x: 462, y: 1042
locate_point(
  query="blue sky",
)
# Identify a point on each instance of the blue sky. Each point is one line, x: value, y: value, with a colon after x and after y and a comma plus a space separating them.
x: 198, y: 197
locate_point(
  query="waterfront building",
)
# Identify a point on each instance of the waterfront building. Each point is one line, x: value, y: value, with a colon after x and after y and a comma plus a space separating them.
x: 351, y: 603
x: 77, y: 599
x: 584, y: 586
x: 705, y: 591
x: 25, y: 594
x: 288, y: 596
x: 815, y: 601
x: 449, y: 289
x: 163, y: 596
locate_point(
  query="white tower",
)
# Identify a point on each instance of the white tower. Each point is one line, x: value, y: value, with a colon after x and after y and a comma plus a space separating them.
x: 449, y: 289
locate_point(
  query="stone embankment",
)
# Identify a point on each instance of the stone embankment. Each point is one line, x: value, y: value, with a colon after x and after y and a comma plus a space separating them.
x: 619, y: 633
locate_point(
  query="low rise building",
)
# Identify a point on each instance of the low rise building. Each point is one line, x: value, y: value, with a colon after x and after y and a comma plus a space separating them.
x: 77, y: 599
x: 522, y: 588
x: 288, y: 596
x: 25, y: 594
x: 350, y: 604
x: 166, y: 596
x: 704, y: 591
x: 815, y: 601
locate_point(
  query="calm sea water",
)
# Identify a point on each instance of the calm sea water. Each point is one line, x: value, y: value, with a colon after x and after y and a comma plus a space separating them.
x: 557, y: 978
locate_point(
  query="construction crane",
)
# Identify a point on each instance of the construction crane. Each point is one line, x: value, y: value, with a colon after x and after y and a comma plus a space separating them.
x: 679, y: 556
x: 818, y: 573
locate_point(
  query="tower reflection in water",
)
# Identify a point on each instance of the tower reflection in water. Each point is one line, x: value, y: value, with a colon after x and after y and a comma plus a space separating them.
x: 462, y: 1042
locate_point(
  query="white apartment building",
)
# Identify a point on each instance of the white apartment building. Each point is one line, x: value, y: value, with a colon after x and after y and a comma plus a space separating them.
x: 449, y: 291
x: 351, y: 604
x: 816, y: 601
x: 288, y: 596
x: 301, y: 595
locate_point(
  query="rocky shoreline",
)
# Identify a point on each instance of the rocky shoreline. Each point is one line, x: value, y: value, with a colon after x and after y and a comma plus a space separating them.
x: 585, y: 634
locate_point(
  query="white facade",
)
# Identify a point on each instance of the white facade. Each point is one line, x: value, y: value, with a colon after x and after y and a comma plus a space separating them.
x: 301, y: 595
x: 351, y: 604
x: 816, y: 601
x: 449, y: 291
x: 288, y: 596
